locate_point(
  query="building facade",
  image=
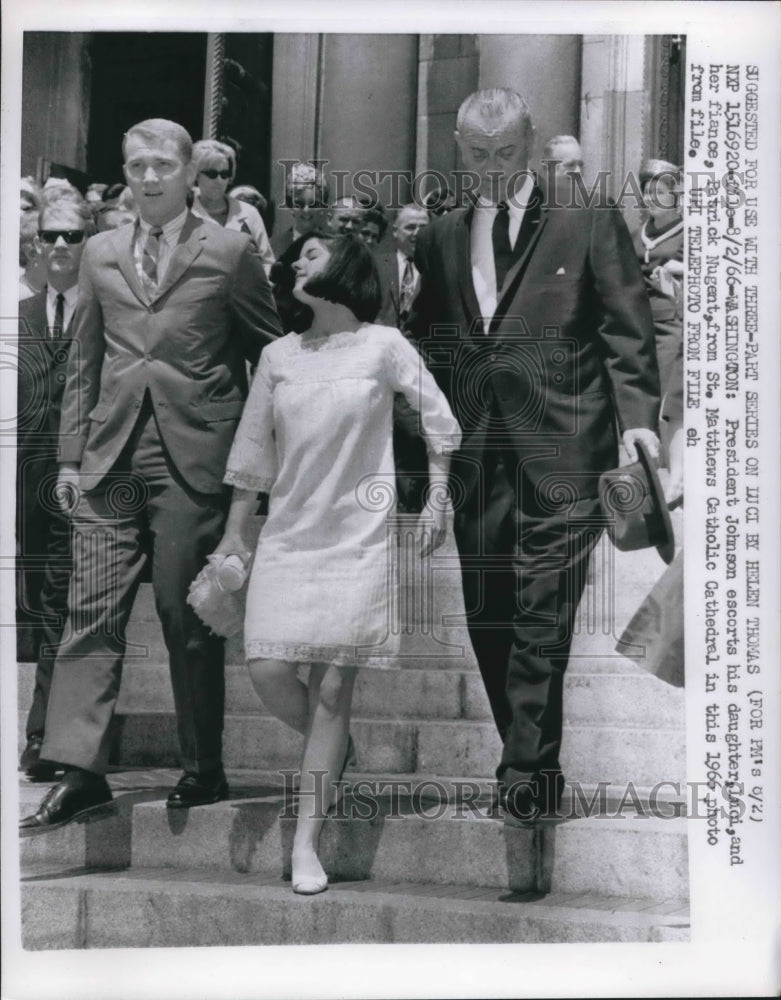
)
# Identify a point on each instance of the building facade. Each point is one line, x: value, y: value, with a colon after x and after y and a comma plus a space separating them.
x: 360, y: 102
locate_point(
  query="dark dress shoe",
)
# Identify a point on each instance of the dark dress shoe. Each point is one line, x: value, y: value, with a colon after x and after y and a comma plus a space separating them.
x: 78, y: 796
x: 198, y: 790
x: 32, y: 765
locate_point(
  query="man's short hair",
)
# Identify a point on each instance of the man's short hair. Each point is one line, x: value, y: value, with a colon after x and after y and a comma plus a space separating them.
x: 154, y: 129
x: 552, y: 144
x: 660, y: 170
x: 490, y: 106
x: 206, y: 152
x: 307, y: 175
x: 66, y: 203
x: 351, y: 201
x: 411, y: 206
x: 350, y: 277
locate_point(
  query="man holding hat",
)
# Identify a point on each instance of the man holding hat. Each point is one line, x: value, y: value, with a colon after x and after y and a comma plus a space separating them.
x: 533, y: 317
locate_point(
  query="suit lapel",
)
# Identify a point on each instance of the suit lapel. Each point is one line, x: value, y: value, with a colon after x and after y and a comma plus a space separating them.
x: 123, y: 241
x: 464, y: 264
x: 537, y: 220
x: 189, y: 247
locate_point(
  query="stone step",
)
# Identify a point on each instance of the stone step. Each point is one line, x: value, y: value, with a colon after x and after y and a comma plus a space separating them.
x: 601, y: 698
x: 592, y: 754
x: 151, y: 908
x: 435, y: 831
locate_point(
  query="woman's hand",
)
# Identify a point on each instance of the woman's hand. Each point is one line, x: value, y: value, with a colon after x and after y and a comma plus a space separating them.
x: 231, y: 544
x: 433, y: 528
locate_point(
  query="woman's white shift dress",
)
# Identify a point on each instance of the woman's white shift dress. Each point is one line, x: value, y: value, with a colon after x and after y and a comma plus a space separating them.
x: 316, y: 434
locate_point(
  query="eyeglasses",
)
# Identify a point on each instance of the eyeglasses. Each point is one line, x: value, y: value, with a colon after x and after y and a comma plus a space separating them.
x: 214, y: 174
x: 70, y: 236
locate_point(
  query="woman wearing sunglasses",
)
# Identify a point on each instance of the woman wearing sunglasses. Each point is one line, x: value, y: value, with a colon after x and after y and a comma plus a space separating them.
x: 215, y: 163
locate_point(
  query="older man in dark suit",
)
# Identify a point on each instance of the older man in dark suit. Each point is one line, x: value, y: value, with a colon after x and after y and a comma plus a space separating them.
x: 535, y: 321
x: 170, y: 311
x: 398, y: 275
x: 43, y: 530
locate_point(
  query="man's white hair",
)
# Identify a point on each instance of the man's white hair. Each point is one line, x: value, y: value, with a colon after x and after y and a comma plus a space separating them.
x: 490, y: 107
x: 559, y: 140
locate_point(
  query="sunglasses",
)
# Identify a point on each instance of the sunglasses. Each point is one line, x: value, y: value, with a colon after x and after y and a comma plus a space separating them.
x: 214, y: 174
x: 70, y: 236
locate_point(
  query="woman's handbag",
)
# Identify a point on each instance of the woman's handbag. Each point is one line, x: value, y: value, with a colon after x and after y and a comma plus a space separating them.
x: 218, y: 607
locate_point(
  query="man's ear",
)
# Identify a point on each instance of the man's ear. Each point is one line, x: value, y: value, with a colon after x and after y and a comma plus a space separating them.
x: 191, y: 173
x: 125, y: 173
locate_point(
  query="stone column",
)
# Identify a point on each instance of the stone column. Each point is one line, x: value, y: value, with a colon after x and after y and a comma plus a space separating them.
x: 614, y: 109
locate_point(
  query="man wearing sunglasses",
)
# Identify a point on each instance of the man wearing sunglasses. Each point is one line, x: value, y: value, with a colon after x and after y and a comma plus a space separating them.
x: 170, y: 311
x: 43, y: 531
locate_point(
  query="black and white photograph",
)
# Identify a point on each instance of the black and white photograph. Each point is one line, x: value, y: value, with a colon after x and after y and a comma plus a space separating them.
x: 365, y: 377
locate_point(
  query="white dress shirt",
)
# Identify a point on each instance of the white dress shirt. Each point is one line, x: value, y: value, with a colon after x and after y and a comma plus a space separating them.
x: 168, y: 240
x: 483, y: 267
x: 68, y: 305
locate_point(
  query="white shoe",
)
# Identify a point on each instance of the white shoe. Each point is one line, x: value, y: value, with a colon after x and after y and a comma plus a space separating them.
x: 309, y: 883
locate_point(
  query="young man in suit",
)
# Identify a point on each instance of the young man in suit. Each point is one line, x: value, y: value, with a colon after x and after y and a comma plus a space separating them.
x: 536, y: 323
x: 43, y: 531
x: 170, y: 311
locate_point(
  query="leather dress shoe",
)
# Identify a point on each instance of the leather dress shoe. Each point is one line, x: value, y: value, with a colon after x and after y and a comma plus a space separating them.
x: 198, y: 790
x: 32, y: 765
x: 80, y: 795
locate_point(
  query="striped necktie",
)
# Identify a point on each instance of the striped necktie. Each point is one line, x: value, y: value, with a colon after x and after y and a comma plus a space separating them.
x: 150, y: 255
x: 407, y: 289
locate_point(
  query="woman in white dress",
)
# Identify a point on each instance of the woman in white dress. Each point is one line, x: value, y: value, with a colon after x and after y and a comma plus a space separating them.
x: 316, y: 434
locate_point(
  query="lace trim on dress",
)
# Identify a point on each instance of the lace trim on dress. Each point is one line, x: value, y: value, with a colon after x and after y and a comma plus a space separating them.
x: 329, y: 341
x: 246, y: 481
x: 341, y: 656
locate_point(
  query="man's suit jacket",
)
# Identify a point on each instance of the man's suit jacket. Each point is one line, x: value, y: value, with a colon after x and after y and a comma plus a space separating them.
x: 570, y: 347
x: 40, y: 376
x: 388, y: 270
x: 186, y: 346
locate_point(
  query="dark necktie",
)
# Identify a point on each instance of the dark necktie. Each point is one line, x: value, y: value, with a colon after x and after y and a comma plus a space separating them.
x: 59, y: 316
x: 500, y: 237
x: 151, y: 253
x: 407, y: 289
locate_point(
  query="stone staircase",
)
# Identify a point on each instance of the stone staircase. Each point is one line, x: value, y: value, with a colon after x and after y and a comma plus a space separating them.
x: 415, y: 852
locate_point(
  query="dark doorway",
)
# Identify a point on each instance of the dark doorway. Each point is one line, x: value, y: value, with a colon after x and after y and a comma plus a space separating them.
x: 137, y: 75
x: 245, y: 121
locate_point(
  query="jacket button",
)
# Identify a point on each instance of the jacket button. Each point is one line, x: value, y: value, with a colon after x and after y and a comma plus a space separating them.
x: 147, y: 357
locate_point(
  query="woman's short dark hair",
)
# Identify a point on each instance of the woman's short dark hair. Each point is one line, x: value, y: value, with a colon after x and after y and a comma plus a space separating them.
x: 350, y: 277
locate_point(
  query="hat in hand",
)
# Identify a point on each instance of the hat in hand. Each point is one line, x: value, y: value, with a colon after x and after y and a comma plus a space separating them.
x: 633, y: 502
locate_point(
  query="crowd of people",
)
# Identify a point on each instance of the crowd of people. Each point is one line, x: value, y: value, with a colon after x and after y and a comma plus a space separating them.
x: 177, y: 368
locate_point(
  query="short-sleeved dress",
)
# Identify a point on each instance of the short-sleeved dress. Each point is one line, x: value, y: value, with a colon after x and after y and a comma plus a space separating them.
x: 316, y: 434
